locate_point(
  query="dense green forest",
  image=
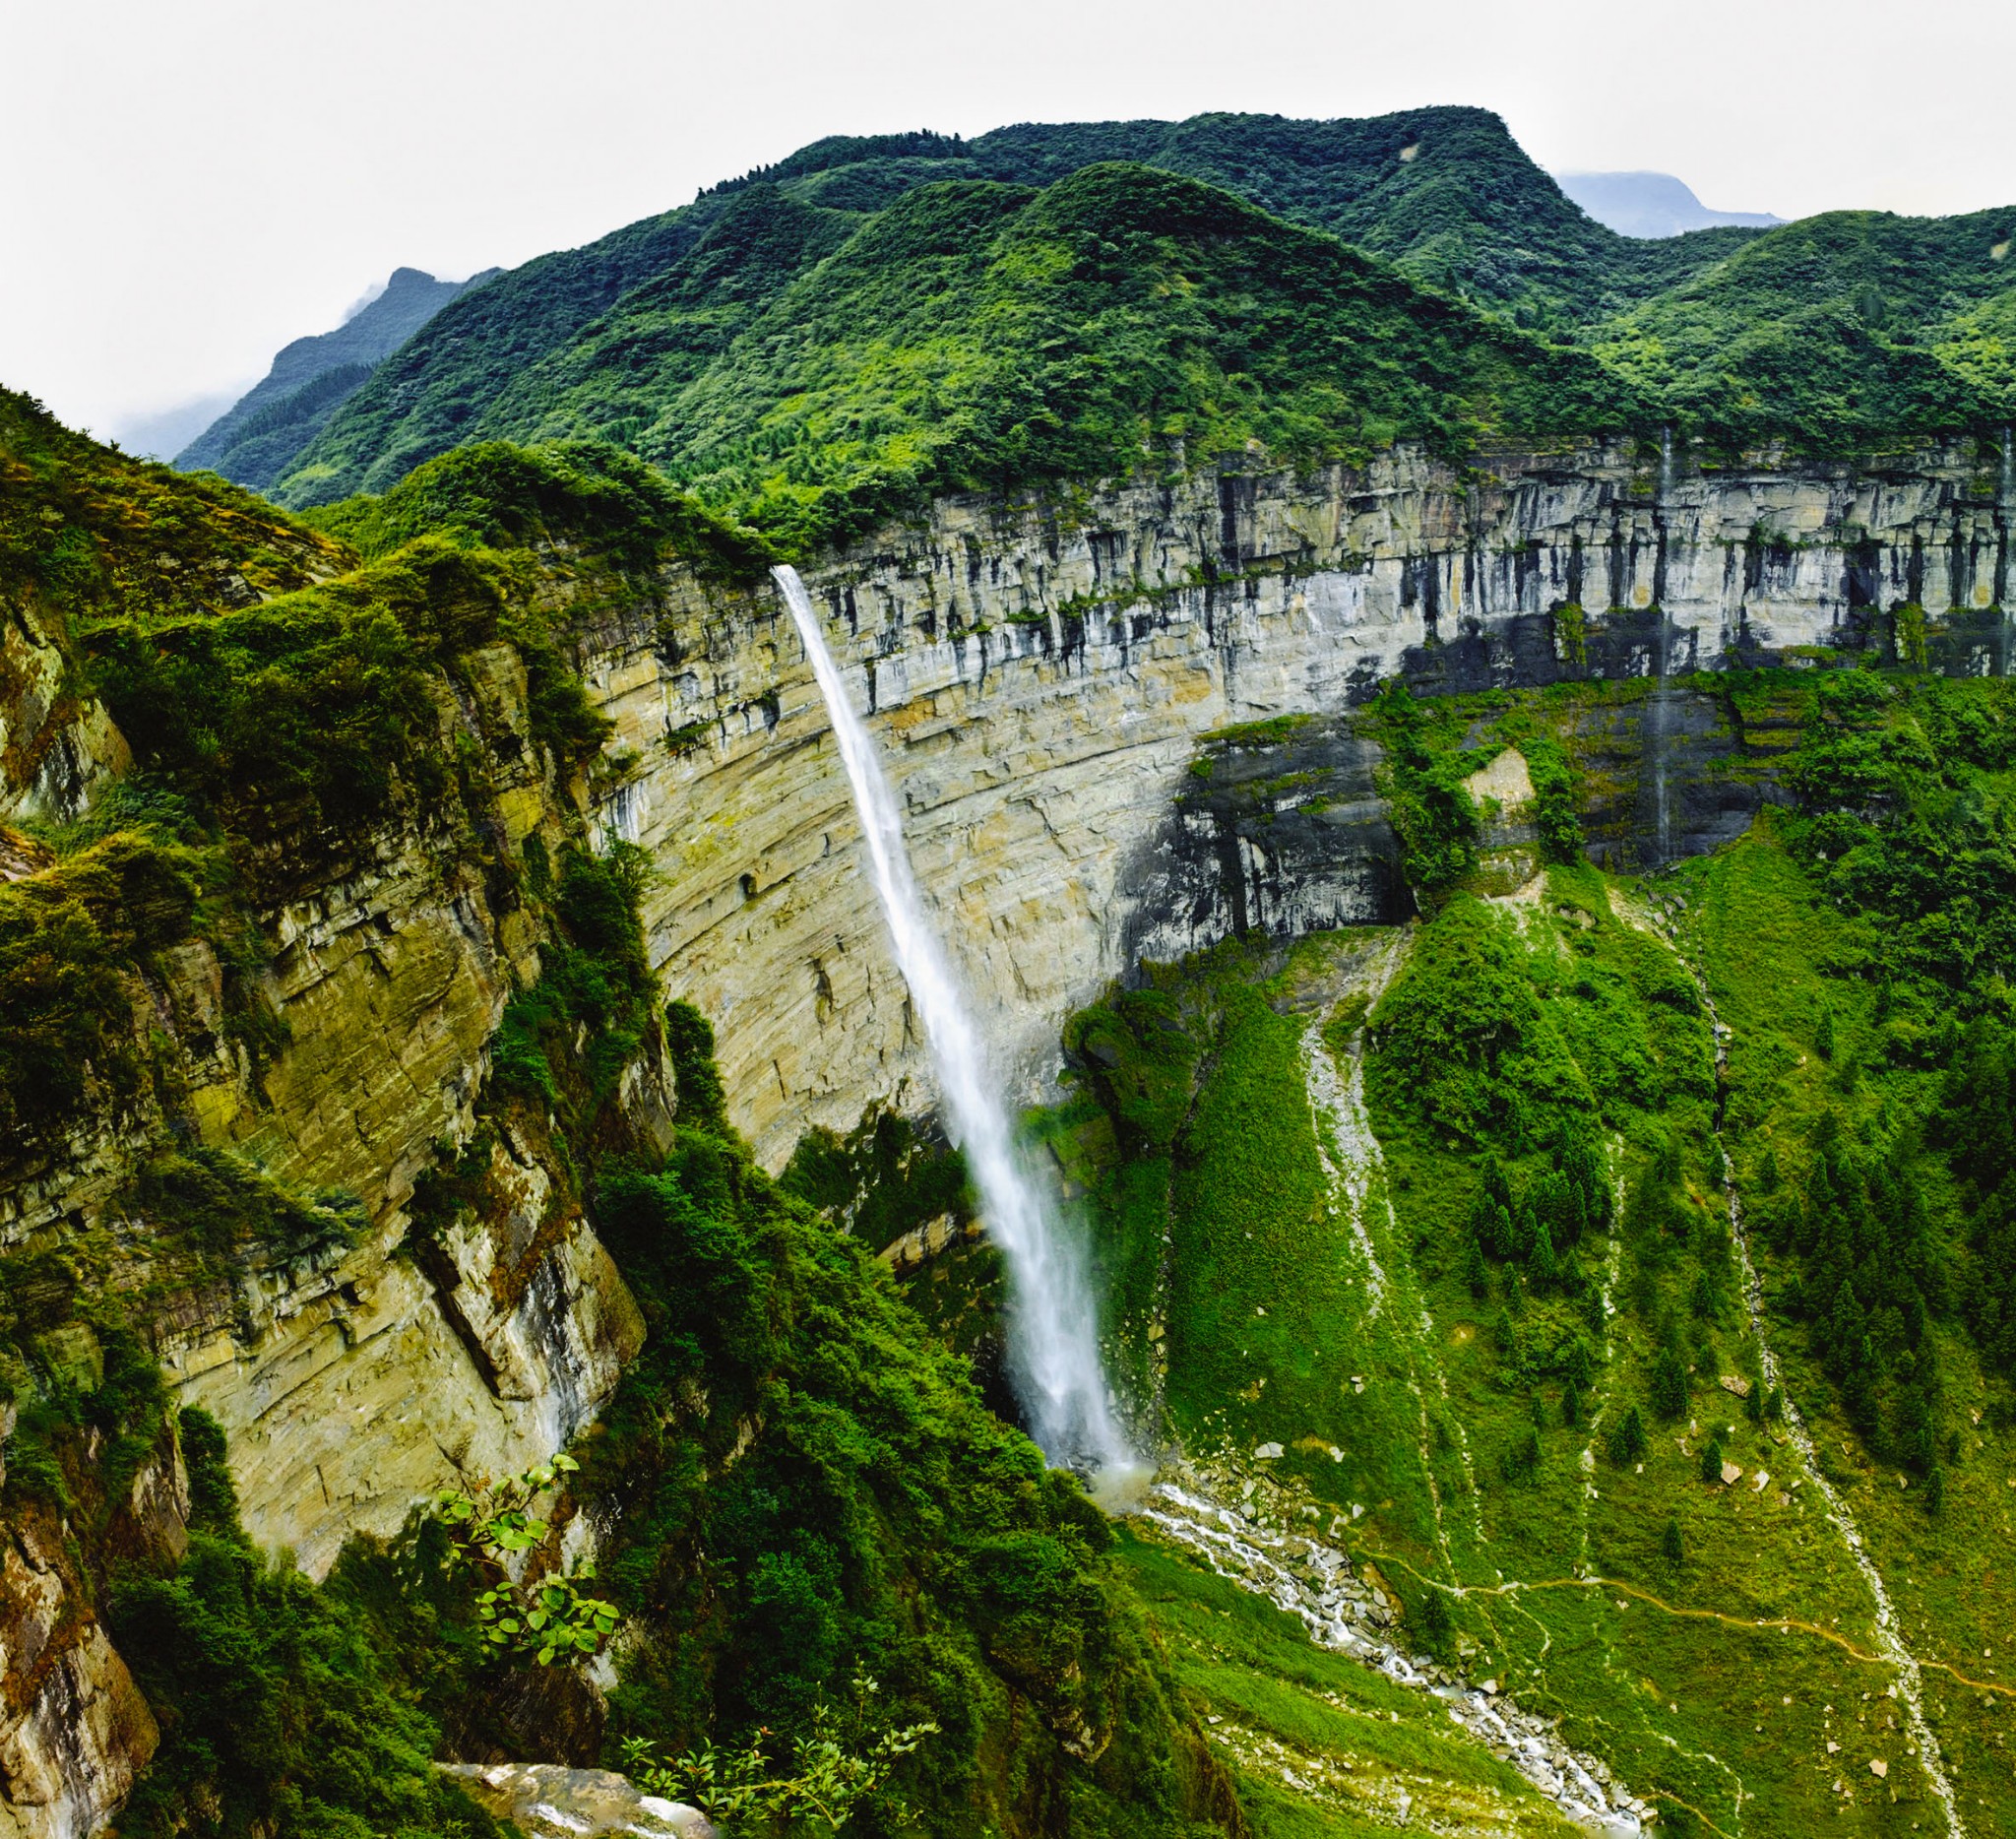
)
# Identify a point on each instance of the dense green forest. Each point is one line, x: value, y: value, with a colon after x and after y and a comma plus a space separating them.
x: 819, y: 343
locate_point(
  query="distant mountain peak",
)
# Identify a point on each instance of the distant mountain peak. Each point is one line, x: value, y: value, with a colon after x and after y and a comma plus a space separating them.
x: 313, y: 376
x: 1651, y: 204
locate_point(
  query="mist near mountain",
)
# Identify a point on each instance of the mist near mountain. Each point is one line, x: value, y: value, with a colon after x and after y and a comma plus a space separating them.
x: 162, y: 433
x: 254, y: 437
x: 1651, y: 204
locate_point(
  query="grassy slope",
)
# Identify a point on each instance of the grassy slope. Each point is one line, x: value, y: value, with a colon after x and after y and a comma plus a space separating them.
x: 1775, y: 953
x: 1665, y: 1669
x: 88, y: 531
x: 1275, y: 1707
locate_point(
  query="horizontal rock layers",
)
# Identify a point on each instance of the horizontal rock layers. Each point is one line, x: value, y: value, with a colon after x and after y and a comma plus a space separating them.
x: 1040, y: 675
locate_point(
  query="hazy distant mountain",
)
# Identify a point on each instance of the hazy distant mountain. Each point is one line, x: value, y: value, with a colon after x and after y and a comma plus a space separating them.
x: 162, y: 433
x: 1650, y: 204
x: 253, y: 441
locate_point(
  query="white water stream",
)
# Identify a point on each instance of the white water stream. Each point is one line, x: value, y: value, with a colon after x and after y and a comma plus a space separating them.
x: 1052, y: 1313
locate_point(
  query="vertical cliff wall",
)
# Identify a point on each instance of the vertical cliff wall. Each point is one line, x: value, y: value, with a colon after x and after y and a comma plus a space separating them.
x: 1040, y: 675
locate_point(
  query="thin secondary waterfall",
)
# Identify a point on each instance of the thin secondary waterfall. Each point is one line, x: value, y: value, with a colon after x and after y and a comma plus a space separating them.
x: 1655, y: 704
x: 1053, y: 1317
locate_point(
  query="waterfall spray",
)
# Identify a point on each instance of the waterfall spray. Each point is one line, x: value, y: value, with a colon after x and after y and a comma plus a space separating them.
x: 1053, y: 1315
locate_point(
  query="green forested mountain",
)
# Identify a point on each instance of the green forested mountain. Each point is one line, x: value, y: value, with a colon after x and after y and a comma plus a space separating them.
x: 721, y: 338
x: 1846, y: 328
x: 1465, y: 196
x: 1444, y: 194
x: 982, y: 334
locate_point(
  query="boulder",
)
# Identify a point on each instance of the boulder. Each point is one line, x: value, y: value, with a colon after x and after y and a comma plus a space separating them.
x: 546, y: 1801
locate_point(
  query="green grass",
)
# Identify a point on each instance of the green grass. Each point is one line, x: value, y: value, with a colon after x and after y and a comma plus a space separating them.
x: 1671, y: 1687
x: 1271, y: 1699
x: 1776, y: 952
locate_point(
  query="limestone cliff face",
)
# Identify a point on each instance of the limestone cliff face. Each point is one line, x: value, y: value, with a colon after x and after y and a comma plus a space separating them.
x: 355, y: 1380
x: 55, y: 746
x: 75, y: 1731
x: 1039, y: 676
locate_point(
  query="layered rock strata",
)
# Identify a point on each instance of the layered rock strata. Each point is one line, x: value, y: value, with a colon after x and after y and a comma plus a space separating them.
x: 1040, y: 675
x: 356, y: 1378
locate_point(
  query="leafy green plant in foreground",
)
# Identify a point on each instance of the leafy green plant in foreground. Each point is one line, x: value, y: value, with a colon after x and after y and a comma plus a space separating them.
x: 543, y: 1619
x: 838, y: 1760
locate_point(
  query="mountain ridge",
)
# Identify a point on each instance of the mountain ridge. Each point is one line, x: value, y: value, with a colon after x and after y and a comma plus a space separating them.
x: 253, y: 441
x: 1651, y: 204
x: 1444, y: 197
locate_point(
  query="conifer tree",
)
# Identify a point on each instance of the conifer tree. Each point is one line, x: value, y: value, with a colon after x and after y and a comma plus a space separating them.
x: 1432, y: 1622
x: 1668, y: 1385
x: 1541, y: 1261
x: 1671, y: 1547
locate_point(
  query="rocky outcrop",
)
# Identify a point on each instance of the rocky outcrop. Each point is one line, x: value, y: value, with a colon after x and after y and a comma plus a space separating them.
x: 357, y: 1375
x: 56, y: 748
x: 71, y: 1750
x: 1040, y: 675
x: 546, y: 1802
x: 74, y: 1732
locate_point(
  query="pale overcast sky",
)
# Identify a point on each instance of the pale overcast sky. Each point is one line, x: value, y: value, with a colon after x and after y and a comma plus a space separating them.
x: 190, y: 183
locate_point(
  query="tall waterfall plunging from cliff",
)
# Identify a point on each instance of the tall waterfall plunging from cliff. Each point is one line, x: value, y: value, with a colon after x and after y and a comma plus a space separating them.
x: 1053, y: 1315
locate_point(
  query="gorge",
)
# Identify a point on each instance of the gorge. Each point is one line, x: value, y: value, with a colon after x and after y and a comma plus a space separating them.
x: 1484, y: 888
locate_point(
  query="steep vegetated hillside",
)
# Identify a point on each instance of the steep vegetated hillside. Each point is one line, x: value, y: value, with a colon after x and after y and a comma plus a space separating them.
x: 1849, y: 330
x: 981, y: 336
x: 789, y: 1489
x: 1617, y: 1271
x: 1445, y: 194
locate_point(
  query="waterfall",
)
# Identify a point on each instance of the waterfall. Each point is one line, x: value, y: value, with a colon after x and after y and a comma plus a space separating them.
x: 1656, y: 705
x: 1052, y: 1315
